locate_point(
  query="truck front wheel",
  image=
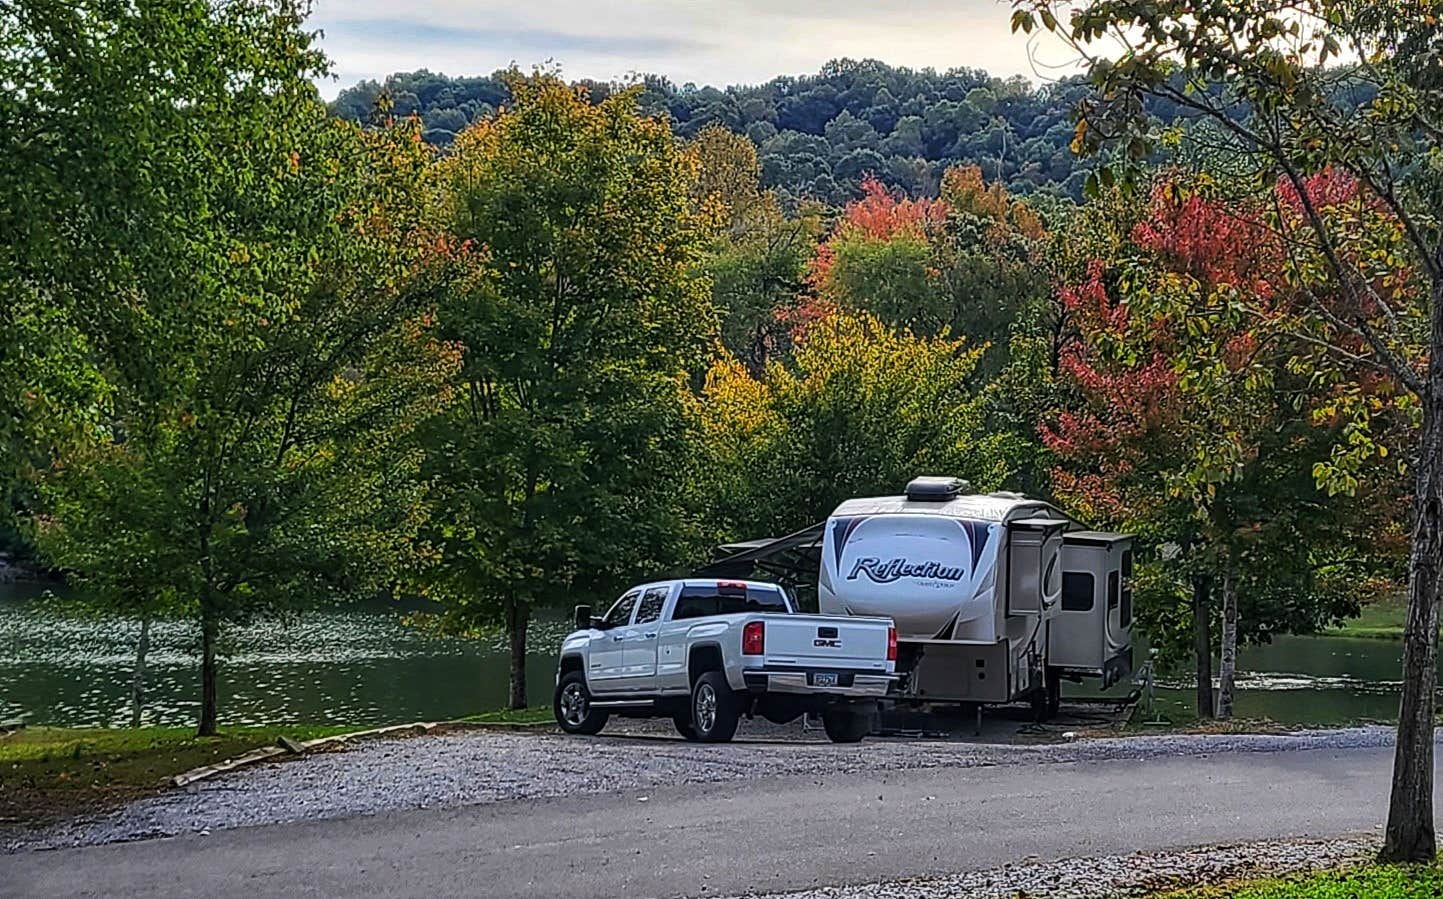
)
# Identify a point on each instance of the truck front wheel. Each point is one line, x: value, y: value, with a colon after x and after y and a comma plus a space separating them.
x: 573, y: 708
x: 682, y: 720
x: 847, y: 724
x: 714, y: 708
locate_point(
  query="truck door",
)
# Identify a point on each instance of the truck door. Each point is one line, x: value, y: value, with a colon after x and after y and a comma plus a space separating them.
x: 641, y: 642
x: 608, y: 647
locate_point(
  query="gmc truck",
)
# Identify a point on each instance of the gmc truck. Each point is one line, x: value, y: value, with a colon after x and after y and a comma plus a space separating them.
x: 706, y: 652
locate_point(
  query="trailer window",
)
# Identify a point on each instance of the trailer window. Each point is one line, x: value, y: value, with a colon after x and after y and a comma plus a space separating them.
x: 1125, y: 615
x: 698, y: 601
x: 1078, y: 588
x: 1112, y: 590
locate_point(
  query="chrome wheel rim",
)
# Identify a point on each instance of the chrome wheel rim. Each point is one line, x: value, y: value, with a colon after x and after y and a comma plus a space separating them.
x: 573, y: 705
x: 705, y: 711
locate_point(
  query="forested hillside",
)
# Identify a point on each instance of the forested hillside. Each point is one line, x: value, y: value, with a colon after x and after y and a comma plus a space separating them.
x: 818, y: 135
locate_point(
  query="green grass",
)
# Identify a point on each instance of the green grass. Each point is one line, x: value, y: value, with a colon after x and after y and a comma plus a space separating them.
x: 1368, y: 882
x: 534, y: 715
x: 49, y: 772
x: 1382, y: 619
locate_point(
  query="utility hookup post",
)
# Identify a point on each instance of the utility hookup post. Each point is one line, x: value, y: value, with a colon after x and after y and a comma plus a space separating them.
x: 1148, y: 676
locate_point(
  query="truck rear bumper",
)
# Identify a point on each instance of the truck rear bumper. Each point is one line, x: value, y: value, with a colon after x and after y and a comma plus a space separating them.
x: 861, y: 686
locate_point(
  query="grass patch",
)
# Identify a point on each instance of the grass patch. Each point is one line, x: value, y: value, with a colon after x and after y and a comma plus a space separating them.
x: 48, y: 773
x: 535, y: 715
x: 1382, y: 619
x: 1367, y: 882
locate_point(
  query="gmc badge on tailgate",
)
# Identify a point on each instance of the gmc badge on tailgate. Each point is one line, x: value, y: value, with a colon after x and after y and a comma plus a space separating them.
x: 830, y: 644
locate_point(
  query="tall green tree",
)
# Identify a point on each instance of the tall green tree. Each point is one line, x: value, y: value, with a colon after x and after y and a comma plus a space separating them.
x: 581, y: 317
x: 1260, y: 72
x: 859, y: 409
x: 757, y: 262
x: 257, y: 306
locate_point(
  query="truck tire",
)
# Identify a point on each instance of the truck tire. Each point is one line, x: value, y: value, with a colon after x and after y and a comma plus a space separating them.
x: 714, y: 708
x: 846, y: 725
x: 572, y: 705
x: 682, y: 720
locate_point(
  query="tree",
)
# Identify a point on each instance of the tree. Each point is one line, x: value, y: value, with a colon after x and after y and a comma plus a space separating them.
x: 262, y: 330
x: 818, y: 135
x: 581, y: 317
x: 854, y: 412
x: 1191, y: 427
x: 758, y: 257
x: 1259, y: 72
x: 965, y: 262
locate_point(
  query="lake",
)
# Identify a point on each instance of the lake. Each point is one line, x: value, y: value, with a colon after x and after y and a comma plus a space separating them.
x: 364, y: 665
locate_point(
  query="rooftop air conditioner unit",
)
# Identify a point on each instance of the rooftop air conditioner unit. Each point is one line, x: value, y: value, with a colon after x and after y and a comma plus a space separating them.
x: 936, y: 490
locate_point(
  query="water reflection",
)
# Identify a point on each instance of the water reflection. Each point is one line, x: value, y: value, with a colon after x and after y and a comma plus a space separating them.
x: 363, y: 665
x: 357, y: 665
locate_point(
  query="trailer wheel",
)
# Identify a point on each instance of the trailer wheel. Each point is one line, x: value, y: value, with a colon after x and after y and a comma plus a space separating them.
x: 847, y: 724
x: 573, y: 709
x: 714, y: 708
x: 682, y: 720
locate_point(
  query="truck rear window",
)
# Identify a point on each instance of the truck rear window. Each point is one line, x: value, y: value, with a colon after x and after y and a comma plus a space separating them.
x: 702, y: 600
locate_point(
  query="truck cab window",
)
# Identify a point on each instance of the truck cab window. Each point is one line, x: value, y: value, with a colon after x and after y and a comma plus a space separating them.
x: 620, y: 613
x: 651, y: 603
x: 700, y: 600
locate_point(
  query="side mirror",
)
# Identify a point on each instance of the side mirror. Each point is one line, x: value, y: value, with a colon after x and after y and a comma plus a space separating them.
x: 583, y: 617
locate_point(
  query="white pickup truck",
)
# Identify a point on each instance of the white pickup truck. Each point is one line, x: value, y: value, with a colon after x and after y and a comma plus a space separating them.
x: 706, y: 652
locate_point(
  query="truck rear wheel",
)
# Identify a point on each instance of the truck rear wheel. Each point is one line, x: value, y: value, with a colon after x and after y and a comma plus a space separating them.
x: 714, y: 708
x: 572, y: 705
x: 847, y: 724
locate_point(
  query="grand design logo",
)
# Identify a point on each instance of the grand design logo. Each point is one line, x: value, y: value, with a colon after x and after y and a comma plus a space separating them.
x: 885, y: 571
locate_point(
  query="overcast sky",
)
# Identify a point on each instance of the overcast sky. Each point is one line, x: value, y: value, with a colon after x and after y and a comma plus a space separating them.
x: 717, y: 42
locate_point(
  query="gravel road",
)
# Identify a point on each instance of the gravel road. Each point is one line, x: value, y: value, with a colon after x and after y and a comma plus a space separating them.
x: 480, y: 767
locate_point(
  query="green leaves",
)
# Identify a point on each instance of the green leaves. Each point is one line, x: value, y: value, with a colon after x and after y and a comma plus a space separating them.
x: 240, y: 291
x: 580, y: 315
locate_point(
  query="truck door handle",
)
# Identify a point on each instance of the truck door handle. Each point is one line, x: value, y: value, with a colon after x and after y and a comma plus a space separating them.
x: 650, y: 636
x: 617, y: 639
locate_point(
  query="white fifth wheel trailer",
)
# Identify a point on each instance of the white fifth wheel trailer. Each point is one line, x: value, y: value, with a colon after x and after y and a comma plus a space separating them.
x: 996, y: 597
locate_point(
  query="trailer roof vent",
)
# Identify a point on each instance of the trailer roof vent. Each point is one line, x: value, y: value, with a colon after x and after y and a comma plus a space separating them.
x: 936, y: 490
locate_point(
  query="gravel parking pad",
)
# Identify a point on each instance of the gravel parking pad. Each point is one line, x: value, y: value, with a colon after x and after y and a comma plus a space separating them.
x: 484, y: 766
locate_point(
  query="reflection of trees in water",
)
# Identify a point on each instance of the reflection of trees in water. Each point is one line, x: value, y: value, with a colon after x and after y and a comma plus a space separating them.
x: 351, y: 666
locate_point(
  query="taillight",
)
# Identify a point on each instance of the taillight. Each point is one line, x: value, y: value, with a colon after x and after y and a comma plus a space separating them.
x: 891, y: 644
x: 754, y: 638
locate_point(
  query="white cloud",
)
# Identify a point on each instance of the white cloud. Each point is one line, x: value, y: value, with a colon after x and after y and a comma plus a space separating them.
x: 718, y: 42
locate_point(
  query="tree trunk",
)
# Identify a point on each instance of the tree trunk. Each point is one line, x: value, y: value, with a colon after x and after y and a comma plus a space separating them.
x: 209, y: 630
x: 137, y: 681
x: 518, y: 615
x: 1410, y: 834
x: 1203, y: 644
x: 1228, y: 663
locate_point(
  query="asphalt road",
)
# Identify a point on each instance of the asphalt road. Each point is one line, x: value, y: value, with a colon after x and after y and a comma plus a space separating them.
x: 761, y: 835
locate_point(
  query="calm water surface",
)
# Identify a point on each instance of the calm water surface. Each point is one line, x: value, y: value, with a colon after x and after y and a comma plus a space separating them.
x: 363, y: 665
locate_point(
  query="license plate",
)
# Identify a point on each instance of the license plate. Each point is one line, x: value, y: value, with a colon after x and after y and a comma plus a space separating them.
x: 824, y: 680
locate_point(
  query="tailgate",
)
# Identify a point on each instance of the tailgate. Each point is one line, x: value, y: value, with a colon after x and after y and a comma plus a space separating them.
x: 826, y: 641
